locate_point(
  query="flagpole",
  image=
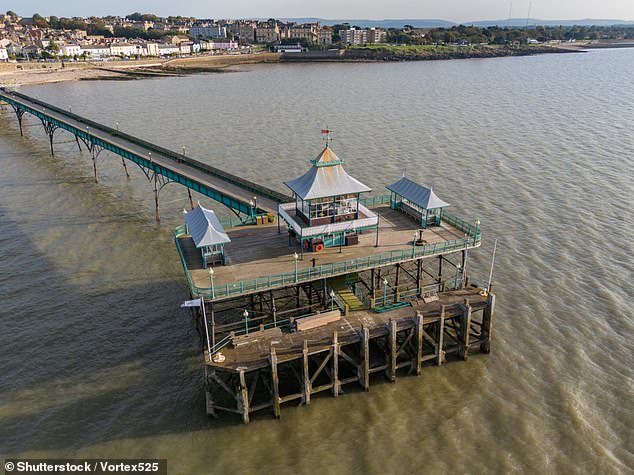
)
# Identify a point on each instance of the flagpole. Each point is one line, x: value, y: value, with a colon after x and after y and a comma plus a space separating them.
x: 202, y: 304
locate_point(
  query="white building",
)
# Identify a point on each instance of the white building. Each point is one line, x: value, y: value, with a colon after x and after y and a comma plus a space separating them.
x: 167, y: 49
x: 4, y: 56
x: 151, y: 49
x: 70, y: 50
x: 124, y: 49
x: 219, y: 44
x: 96, y: 51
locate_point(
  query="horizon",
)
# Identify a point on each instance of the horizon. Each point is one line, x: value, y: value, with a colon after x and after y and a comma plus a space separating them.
x: 371, y: 10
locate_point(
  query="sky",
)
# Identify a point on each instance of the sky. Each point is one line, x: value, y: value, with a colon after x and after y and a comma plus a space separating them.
x: 453, y: 10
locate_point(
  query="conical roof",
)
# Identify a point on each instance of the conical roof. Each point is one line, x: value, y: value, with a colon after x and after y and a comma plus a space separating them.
x: 417, y: 194
x: 325, y: 178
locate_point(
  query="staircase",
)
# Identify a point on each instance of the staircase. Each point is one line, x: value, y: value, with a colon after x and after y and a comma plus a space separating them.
x: 340, y: 286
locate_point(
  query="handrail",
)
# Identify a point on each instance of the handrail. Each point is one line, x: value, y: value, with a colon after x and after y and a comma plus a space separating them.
x: 335, y: 268
x: 177, y: 157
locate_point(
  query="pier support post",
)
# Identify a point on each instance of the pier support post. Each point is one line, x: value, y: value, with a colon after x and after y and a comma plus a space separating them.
x: 156, y: 199
x: 465, y: 330
x: 393, y: 349
x: 487, y: 324
x: 419, y: 343
x: 78, y: 144
x: 335, y: 365
x: 365, y: 380
x: 208, y: 395
x: 440, y: 354
x: 50, y: 131
x: 243, y: 398
x: 276, y: 384
x: 125, y: 167
x: 191, y: 200
x: 19, y: 113
x: 307, y: 385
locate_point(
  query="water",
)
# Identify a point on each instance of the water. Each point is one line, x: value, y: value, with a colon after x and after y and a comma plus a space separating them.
x: 99, y: 361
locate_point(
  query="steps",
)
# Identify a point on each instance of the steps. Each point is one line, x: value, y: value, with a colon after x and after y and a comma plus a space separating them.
x: 339, y: 285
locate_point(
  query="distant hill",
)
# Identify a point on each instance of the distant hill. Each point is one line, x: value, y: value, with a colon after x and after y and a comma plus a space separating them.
x: 378, y: 23
x: 521, y: 22
x: 433, y: 23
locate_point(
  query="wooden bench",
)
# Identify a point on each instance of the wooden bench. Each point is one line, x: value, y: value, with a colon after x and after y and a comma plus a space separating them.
x: 317, y: 320
x: 254, y: 336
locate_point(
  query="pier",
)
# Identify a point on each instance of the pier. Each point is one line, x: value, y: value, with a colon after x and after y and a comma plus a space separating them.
x: 333, y: 287
x: 160, y: 166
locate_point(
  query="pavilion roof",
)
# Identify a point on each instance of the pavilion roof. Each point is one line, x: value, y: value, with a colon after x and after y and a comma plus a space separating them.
x: 325, y: 178
x: 205, y: 228
x: 418, y: 194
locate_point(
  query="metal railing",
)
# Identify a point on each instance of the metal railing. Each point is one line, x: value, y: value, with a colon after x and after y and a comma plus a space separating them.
x: 328, y: 270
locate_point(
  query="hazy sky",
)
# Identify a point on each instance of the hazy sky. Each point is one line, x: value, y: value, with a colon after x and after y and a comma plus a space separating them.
x: 455, y: 10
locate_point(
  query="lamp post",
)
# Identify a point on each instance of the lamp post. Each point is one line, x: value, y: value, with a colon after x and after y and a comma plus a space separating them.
x: 211, y: 282
x: 414, y: 245
x: 332, y: 299
x: 384, y: 291
x: 295, y: 256
x: 116, y: 124
x: 184, y: 150
x: 245, y: 314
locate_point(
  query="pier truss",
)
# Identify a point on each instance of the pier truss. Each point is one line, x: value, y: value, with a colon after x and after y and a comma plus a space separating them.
x: 160, y: 166
x: 396, y: 319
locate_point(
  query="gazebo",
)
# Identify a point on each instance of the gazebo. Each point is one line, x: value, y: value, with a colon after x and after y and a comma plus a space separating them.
x: 326, y: 210
x: 418, y: 201
x: 208, y: 234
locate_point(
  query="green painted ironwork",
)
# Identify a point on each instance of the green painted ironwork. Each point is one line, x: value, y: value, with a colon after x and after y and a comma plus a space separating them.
x: 336, y: 268
x: 143, y: 161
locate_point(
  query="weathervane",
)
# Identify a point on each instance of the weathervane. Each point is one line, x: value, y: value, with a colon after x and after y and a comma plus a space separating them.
x: 328, y: 138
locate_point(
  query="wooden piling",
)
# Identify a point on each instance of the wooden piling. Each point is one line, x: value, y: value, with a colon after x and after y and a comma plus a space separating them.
x: 307, y: 385
x: 335, y: 365
x: 365, y: 380
x: 440, y: 355
x: 487, y: 324
x: 243, y: 397
x: 465, y: 330
x: 275, y: 384
x: 393, y: 354
x: 419, y: 343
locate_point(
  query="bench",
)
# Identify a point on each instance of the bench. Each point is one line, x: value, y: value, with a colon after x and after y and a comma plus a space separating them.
x: 317, y: 320
x: 257, y: 335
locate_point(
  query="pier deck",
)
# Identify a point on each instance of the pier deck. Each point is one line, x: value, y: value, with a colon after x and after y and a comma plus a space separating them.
x: 289, y: 345
x: 261, y: 251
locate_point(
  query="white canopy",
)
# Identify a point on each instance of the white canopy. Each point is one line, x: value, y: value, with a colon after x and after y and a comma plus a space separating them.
x: 205, y: 228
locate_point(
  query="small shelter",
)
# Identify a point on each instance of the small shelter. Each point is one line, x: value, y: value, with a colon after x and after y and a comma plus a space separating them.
x: 418, y: 201
x: 208, y: 234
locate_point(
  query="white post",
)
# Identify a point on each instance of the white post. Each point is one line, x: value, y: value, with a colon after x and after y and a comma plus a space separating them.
x: 202, y: 304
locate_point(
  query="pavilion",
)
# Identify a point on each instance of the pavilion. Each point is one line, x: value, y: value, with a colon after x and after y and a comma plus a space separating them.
x: 418, y: 201
x: 326, y: 210
x: 208, y: 235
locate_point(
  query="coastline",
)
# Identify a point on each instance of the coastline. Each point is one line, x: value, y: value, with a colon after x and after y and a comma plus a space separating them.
x: 22, y: 74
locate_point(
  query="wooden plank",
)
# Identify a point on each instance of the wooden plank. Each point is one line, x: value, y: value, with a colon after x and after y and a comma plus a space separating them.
x: 318, y: 320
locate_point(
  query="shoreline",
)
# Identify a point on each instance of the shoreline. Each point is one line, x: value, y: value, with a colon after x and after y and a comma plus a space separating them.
x: 26, y: 74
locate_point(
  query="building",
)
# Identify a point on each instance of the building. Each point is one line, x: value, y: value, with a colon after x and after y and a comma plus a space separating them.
x: 376, y: 35
x: 267, y: 34
x: 326, y: 211
x: 244, y: 32
x: 166, y: 49
x: 417, y: 201
x: 96, y: 51
x: 218, y: 44
x: 4, y: 55
x: 288, y: 48
x: 70, y: 50
x: 307, y: 32
x: 211, y: 31
x: 124, y: 49
x: 353, y: 36
x: 324, y: 36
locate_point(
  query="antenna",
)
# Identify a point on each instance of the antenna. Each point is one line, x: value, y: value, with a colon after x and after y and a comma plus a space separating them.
x: 495, y: 246
x: 530, y: 5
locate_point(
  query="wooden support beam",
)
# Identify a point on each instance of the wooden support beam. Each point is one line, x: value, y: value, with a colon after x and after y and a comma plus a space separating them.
x: 335, y: 365
x: 418, y: 361
x: 243, y: 398
x: 365, y: 379
x: 307, y: 384
x: 276, y: 383
x: 487, y: 324
x: 465, y: 330
x: 393, y: 350
x: 440, y: 354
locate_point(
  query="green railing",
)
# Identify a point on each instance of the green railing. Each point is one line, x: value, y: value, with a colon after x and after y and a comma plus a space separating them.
x: 326, y: 270
x: 374, y: 201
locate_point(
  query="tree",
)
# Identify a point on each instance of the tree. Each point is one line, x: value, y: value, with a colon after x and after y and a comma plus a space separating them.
x: 39, y: 21
x: 52, y: 47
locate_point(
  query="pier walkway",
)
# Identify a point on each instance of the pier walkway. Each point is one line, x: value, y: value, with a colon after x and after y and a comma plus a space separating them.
x: 160, y: 166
